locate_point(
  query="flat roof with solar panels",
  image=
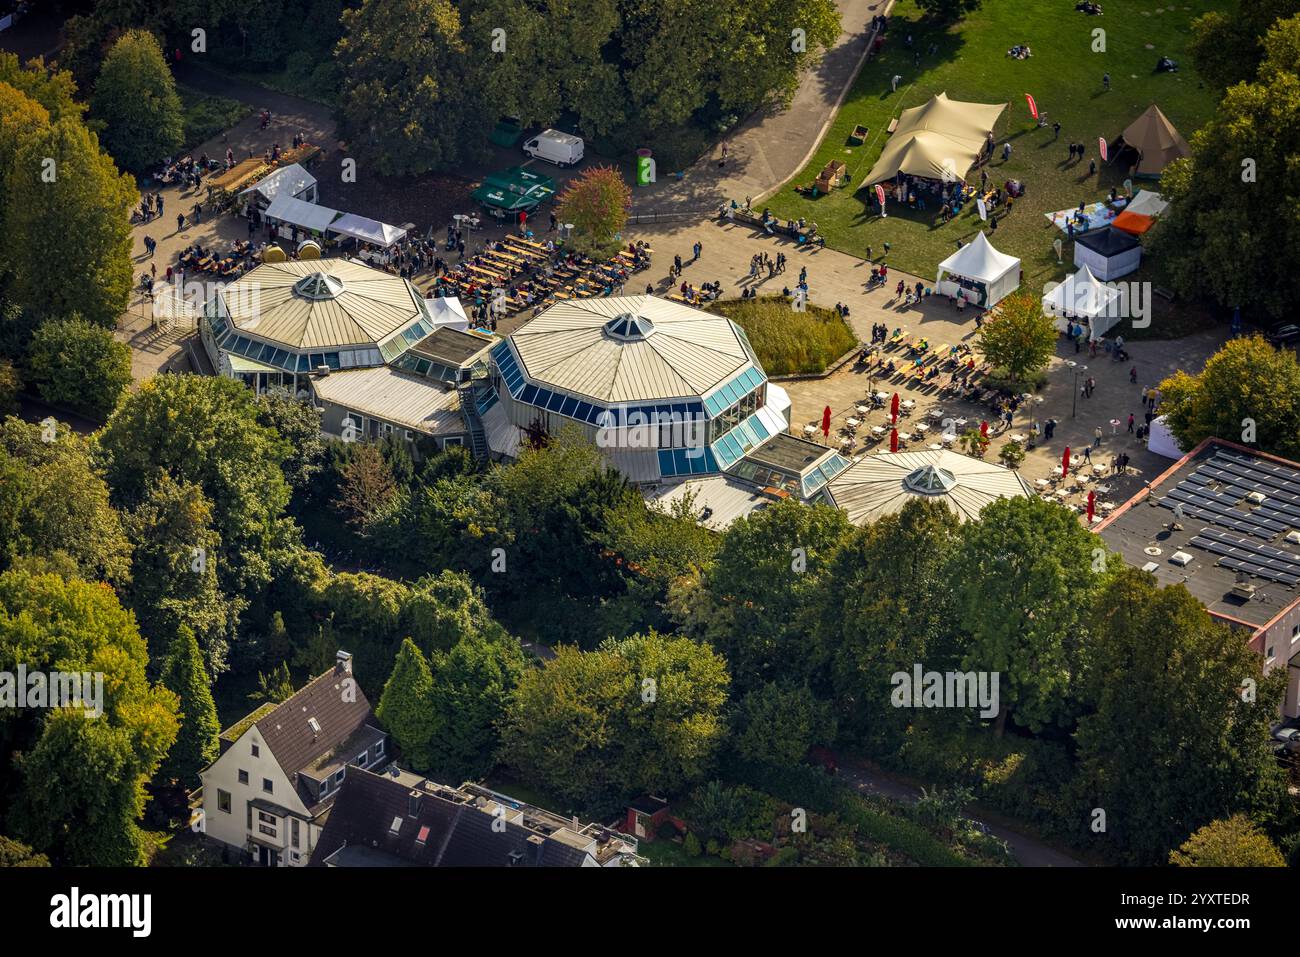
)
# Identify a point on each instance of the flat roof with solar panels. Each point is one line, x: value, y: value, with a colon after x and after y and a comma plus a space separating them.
x: 1225, y: 522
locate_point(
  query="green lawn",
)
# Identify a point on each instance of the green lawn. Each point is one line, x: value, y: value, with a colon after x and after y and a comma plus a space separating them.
x: 1063, y: 75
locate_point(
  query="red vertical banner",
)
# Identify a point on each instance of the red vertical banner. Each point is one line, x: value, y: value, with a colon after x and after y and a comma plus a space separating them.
x: 1102, y: 148
x: 1033, y: 107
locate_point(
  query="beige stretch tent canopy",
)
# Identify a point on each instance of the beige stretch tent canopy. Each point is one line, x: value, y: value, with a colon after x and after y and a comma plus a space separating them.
x: 939, y: 139
x: 1156, y: 141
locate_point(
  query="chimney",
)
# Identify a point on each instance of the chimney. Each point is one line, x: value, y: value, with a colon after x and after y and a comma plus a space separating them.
x: 343, y: 663
x: 413, y: 803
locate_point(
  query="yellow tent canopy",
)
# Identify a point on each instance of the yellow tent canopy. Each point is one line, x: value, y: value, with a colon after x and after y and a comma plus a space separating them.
x: 941, y: 138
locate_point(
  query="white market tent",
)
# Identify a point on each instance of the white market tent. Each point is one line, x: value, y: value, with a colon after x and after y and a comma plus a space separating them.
x: 309, y: 216
x: 1083, y: 296
x: 984, y: 274
x: 1161, y: 441
x: 446, y: 311
x: 1109, y: 253
x: 291, y: 180
x: 367, y: 230
x: 1147, y: 203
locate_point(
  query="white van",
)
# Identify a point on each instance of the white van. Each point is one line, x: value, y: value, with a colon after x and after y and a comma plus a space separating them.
x: 562, y: 149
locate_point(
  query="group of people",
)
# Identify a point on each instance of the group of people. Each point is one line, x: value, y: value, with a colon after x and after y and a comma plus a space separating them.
x: 186, y: 171
x: 1020, y: 51
x: 1088, y: 7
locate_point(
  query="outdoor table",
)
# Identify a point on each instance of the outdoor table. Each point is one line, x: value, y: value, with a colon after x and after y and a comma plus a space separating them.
x: 961, y: 423
x: 878, y: 430
x: 1103, y: 489
x: 1016, y: 437
x: 922, y: 428
x: 1099, y: 470
x: 809, y: 429
x: 1085, y: 479
x: 947, y: 438
x: 852, y: 423
x: 935, y: 413
x: 1108, y: 506
x: 846, y: 443
x: 936, y: 447
x: 908, y: 404
x: 861, y: 410
x: 1042, y: 483
x: 882, y: 396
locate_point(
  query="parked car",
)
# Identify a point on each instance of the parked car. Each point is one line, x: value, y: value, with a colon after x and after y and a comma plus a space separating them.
x: 1283, y: 334
x: 562, y: 149
x: 1286, y: 739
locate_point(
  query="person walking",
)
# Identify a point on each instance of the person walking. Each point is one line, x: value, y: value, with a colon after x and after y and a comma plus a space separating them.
x: 1006, y: 151
x: 1056, y: 132
x: 1096, y: 437
x: 1092, y: 167
x: 893, y: 83
x: 697, y: 249
x: 1130, y: 422
x: 1133, y: 375
x: 1105, y: 82
x: 180, y: 222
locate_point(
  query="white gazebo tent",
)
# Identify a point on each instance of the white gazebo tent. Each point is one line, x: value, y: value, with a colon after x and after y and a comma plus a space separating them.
x: 984, y: 274
x: 1161, y: 441
x: 1084, y: 297
x: 309, y: 216
x: 446, y: 311
x: 291, y: 180
x: 1147, y: 203
x: 367, y: 230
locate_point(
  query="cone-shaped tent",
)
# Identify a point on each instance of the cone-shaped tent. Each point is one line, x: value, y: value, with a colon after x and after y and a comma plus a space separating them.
x: 1156, y: 141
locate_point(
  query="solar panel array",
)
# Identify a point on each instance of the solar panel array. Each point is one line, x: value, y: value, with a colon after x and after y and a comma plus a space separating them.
x: 1215, y: 491
x: 1239, y: 554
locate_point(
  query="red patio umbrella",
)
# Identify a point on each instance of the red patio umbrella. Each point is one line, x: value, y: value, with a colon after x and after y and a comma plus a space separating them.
x: 893, y: 408
x: 1092, y: 504
x: 984, y: 429
x: 826, y: 421
x: 1065, y: 463
x: 893, y: 440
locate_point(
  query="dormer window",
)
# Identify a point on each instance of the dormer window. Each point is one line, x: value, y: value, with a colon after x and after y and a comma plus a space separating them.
x: 361, y: 759
x: 396, y: 827
x: 314, y: 725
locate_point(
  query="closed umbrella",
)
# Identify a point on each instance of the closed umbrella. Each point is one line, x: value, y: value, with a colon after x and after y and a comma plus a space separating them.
x: 1092, y: 504
x: 826, y: 421
x: 1065, y: 463
x: 984, y: 429
x: 893, y: 408
x: 893, y: 440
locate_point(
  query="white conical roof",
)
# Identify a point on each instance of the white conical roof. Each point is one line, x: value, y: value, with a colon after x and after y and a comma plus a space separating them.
x: 1082, y: 294
x: 979, y: 260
